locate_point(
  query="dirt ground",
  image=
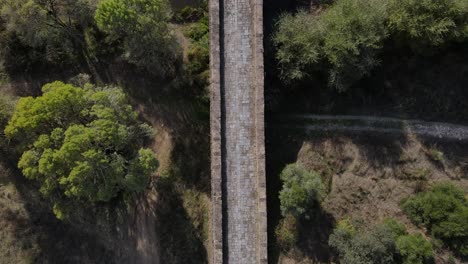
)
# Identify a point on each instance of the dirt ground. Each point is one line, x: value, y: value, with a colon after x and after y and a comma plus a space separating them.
x: 367, y: 177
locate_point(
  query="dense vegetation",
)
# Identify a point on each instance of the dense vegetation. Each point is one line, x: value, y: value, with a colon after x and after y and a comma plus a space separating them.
x: 302, y: 191
x: 84, y: 146
x: 387, y: 242
x: 300, y: 197
x: 142, y: 27
x: 443, y: 210
x: 349, y: 35
x: 81, y: 143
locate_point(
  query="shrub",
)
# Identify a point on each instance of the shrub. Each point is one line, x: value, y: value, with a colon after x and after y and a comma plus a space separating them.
x: 298, y: 39
x: 287, y: 233
x: 414, y: 249
x: 81, y: 144
x: 398, y: 229
x: 143, y: 27
x: 373, y: 245
x: 6, y: 109
x: 443, y: 210
x: 53, y: 28
x: 199, y: 53
x: 302, y: 191
x: 429, y: 22
x: 381, y: 243
x: 347, y: 36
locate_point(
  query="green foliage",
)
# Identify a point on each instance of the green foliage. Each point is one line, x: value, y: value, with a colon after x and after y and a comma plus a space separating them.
x: 81, y: 144
x: 386, y: 242
x: 347, y: 36
x: 302, y: 191
x: 414, y: 249
x: 6, y: 109
x: 199, y: 52
x: 425, y: 23
x: 443, y: 210
x: 363, y: 246
x: 287, y: 232
x: 53, y: 26
x: 298, y: 39
x: 7, y: 104
x: 143, y: 27
x: 397, y: 229
x: 191, y: 14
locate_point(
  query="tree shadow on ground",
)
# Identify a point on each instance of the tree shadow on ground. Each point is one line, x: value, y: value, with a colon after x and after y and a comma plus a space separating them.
x: 180, y: 241
x: 36, y: 227
x: 175, y: 107
x: 180, y: 109
x: 314, y: 234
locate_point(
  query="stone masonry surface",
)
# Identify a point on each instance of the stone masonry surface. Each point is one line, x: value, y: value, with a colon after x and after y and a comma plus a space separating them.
x: 239, y: 233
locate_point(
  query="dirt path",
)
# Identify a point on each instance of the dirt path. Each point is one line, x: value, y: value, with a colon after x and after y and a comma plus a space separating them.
x: 374, y: 124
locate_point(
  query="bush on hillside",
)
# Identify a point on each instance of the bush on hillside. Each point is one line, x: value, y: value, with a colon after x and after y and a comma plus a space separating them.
x: 6, y: 109
x: 414, y: 249
x: 287, y: 232
x: 53, y: 28
x: 375, y: 245
x: 81, y: 144
x: 302, y: 191
x: 142, y: 25
x: 443, y: 210
x: 199, y: 52
x: 386, y: 242
x: 347, y: 36
x: 425, y: 23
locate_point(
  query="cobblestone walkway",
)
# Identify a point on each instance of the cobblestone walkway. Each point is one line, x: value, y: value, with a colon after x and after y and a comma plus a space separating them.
x: 240, y: 181
x: 239, y: 220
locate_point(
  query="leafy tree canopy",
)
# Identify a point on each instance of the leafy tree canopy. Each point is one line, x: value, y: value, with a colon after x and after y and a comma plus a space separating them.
x: 414, y: 249
x: 373, y: 245
x: 302, y: 190
x: 346, y: 36
x: 56, y: 25
x: 386, y: 242
x: 81, y: 143
x: 143, y: 27
x: 429, y: 22
x: 443, y: 210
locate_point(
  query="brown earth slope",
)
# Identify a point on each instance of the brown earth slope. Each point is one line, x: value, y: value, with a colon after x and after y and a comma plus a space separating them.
x: 367, y: 174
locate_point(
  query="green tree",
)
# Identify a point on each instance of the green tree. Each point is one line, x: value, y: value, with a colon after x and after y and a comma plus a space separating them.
x: 425, y: 23
x: 374, y: 245
x: 302, y: 191
x: 443, y: 210
x: 81, y: 144
x: 54, y: 26
x: 287, y: 232
x: 414, y: 249
x: 143, y: 27
x: 347, y: 36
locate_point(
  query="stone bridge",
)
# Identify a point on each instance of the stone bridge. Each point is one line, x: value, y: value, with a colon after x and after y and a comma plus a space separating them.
x: 239, y: 218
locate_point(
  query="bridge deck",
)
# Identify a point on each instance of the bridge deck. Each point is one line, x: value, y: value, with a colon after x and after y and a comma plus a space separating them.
x: 238, y: 174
